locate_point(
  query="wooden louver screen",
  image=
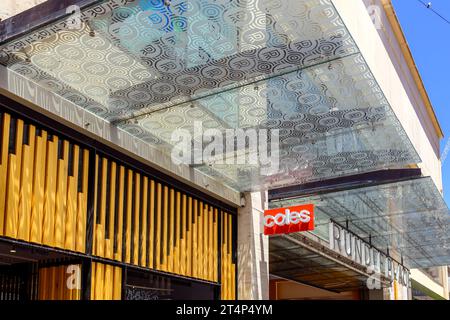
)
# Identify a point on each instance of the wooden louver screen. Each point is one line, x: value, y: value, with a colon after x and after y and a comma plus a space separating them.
x: 137, y: 220
x: 147, y: 223
x: 43, y: 186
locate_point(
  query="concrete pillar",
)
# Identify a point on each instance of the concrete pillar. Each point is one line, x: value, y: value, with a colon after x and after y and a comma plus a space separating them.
x: 253, y: 249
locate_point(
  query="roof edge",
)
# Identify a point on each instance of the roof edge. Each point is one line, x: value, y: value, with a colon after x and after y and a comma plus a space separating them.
x: 399, y: 34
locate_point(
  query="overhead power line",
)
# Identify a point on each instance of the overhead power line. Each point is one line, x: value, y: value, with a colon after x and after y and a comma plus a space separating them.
x: 430, y: 7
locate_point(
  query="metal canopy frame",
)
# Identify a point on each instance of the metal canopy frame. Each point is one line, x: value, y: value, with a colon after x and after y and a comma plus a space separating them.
x: 345, y: 183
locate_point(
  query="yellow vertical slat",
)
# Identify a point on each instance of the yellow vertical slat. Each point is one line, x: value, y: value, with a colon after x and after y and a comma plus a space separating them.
x: 61, y: 197
x: 26, y: 190
x: 230, y: 281
x: 227, y: 273
x: 189, y: 239
x: 117, y: 284
x: 177, y: 242
x: 99, y: 281
x: 204, y: 237
x: 210, y: 245
x: 82, y: 205
x: 109, y: 243
x: 93, y: 280
x: 182, y: 250
x: 108, y: 282
x: 151, y: 234
x: 72, y: 240
x: 37, y: 209
x: 144, y: 223
x: 233, y: 282
x: 224, y: 256
x: 215, y: 239
x: 195, y: 254
x: 101, y: 226
x: 96, y: 200
x: 120, y: 194
x: 4, y: 168
x: 158, y: 213
x: 165, y: 228
x: 171, y: 248
x: 205, y: 241
x: 13, y: 185
x: 200, y: 262
x: 50, y: 192
x: 137, y: 195
x: 71, y: 221
x: 129, y: 212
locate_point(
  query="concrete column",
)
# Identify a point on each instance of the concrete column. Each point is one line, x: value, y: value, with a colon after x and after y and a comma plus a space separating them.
x: 253, y: 249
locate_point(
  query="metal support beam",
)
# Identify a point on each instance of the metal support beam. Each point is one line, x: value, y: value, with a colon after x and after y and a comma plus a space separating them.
x: 345, y: 183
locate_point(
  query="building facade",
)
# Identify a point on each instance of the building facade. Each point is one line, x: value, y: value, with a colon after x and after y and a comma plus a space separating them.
x: 93, y: 205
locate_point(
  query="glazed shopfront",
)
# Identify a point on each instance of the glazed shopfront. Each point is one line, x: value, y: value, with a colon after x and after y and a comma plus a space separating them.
x: 72, y: 211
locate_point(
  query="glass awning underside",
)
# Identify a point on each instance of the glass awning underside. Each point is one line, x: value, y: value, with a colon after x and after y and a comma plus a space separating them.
x: 265, y: 64
x: 290, y: 260
x: 409, y: 218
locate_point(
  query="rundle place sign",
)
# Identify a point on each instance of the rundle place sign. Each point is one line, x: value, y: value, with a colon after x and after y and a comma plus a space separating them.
x: 353, y: 247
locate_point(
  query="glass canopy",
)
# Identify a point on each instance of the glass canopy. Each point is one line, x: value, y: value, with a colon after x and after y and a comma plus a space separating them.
x: 152, y: 67
x: 409, y: 218
x: 288, y: 259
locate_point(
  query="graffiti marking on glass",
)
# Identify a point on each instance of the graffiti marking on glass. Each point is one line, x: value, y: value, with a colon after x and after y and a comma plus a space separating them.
x: 74, y: 20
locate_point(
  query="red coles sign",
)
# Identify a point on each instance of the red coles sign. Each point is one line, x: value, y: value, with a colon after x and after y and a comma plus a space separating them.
x: 288, y: 220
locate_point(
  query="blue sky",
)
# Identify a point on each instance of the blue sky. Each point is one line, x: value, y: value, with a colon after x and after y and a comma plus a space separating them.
x: 429, y: 39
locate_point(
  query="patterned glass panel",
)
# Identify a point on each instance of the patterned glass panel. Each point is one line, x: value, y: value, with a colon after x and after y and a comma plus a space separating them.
x: 290, y: 65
